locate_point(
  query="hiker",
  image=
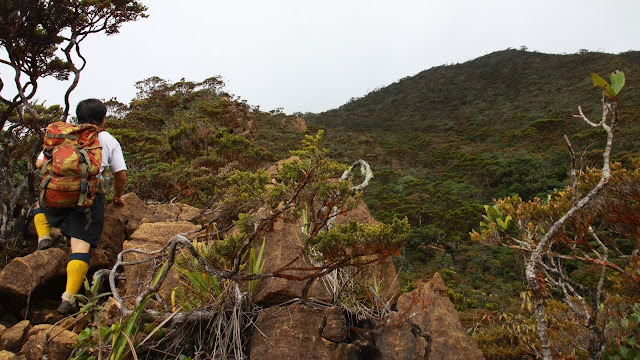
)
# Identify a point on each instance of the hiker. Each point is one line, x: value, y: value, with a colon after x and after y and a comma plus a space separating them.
x: 82, y: 226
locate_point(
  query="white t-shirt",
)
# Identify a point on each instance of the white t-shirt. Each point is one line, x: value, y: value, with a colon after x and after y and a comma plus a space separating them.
x: 111, y: 153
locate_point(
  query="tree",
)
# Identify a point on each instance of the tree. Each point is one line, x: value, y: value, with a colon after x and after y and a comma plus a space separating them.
x: 41, y: 39
x: 579, y: 228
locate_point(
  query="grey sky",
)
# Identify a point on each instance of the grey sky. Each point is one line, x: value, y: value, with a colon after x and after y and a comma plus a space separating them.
x: 315, y: 55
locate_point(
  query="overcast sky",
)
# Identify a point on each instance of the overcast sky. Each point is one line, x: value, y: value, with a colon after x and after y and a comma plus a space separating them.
x: 315, y: 55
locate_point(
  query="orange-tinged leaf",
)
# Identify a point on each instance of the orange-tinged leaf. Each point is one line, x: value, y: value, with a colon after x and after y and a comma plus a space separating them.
x: 604, y: 85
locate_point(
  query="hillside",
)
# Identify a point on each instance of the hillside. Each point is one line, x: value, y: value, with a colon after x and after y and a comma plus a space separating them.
x: 452, y: 138
x: 482, y: 121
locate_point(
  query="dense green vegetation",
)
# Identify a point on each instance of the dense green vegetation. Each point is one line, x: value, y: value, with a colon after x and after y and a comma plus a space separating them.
x: 452, y: 138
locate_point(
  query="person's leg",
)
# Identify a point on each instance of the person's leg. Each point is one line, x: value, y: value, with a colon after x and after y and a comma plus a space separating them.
x: 43, y: 229
x: 85, y: 232
x: 77, y: 268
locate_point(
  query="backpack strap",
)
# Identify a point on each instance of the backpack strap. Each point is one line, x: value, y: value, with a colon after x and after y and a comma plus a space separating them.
x: 84, y: 184
x: 45, y: 182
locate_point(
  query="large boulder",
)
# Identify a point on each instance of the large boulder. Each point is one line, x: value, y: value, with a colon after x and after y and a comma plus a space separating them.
x: 59, y: 346
x: 40, y: 275
x: 426, y: 325
x: 281, y: 246
x: 150, y: 237
x: 296, y: 332
x: 28, y: 275
x: 284, y: 242
x: 120, y: 222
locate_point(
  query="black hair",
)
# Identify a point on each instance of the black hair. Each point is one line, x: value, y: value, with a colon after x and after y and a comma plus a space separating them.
x: 91, y: 111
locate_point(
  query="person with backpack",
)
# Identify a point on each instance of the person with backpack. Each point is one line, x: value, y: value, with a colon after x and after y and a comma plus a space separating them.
x: 71, y: 193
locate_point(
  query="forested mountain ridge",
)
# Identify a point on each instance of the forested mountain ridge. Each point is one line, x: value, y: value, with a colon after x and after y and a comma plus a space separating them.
x: 505, y: 86
x: 495, y: 123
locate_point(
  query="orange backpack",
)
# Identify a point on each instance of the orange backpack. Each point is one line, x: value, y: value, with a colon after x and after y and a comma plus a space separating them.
x: 70, y: 173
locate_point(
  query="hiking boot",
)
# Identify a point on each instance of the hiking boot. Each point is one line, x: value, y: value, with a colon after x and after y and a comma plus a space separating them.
x: 67, y: 308
x: 44, y: 243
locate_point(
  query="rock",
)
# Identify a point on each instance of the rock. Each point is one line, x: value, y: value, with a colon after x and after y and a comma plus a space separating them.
x: 273, y: 170
x: 299, y: 125
x: 429, y: 327
x: 13, y: 338
x: 111, y: 312
x: 59, y: 347
x: 120, y: 222
x: 296, y: 124
x: 173, y: 212
x: 239, y: 119
x: 27, y: 274
x: 151, y: 237
x: 293, y: 332
x: 2, y: 329
x: 162, y: 232
x: 7, y: 355
x: 281, y: 246
x: 334, y: 330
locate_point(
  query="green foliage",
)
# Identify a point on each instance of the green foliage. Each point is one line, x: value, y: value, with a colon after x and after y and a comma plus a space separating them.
x: 627, y: 346
x: 495, y: 216
x: 363, y: 239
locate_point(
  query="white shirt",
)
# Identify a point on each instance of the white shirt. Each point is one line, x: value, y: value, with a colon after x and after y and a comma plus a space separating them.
x: 111, y: 153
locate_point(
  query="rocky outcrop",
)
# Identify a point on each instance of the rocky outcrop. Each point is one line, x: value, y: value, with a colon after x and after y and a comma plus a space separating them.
x: 281, y: 246
x: 292, y: 123
x: 26, y: 275
x: 120, y: 222
x: 296, y: 332
x: 426, y: 325
x: 151, y: 237
x: 240, y: 120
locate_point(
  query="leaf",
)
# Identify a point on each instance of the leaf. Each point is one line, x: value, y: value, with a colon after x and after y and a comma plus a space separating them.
x: 617, y: 81
x: 632, y: 354
x: 492, y: 212
x: 502, y: 223
x: 624, y: 351
x: 604, y: 85
x: 634, y: 318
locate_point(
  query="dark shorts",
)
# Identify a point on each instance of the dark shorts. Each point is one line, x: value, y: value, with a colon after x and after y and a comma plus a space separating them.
x: 73, y: 222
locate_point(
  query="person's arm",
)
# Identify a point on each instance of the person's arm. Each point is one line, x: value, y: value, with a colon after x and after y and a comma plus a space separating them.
x: 119, y: 182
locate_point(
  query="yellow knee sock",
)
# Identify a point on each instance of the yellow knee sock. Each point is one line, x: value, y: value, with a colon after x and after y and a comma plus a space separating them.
x: 42, y: 226
x: 77, y: 268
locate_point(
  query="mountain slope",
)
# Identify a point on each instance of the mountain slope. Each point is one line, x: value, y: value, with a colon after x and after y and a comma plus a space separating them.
x: 450, y: 139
